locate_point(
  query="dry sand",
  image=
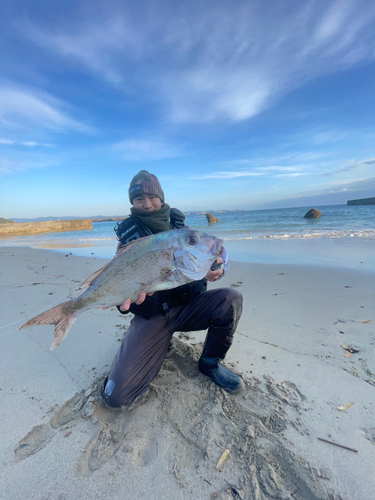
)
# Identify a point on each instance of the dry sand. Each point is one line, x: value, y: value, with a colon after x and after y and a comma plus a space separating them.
x: 59, y: 442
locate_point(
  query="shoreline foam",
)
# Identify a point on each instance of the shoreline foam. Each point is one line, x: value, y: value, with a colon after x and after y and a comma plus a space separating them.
x: 346, y: 253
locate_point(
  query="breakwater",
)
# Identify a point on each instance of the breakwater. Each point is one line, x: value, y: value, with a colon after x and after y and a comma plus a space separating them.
x: 363, y: 201
x: 53, y: 226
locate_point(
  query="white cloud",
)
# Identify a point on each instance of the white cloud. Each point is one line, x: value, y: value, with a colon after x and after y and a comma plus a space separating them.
x: 143, y: 150
x: 29, y: 144
x: 214, y: 61
x: 23, y: 108
x: 6, y: 141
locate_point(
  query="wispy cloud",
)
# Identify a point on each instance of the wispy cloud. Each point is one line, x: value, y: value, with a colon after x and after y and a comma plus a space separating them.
x: 275, y: 169
x: 290, y: 165
x: 349, y: 165
x: 33, y: 144
x: 328, y: 136
x: 347, y: 185
x: 370, y: 161
x: 217, y: 65
x: 29, y: 144
x: 145, y: 150
x: 11, y: 165
x: 295, y: 174
x: 227, y: 175
x: 256, y: 172
x: 23, y: 108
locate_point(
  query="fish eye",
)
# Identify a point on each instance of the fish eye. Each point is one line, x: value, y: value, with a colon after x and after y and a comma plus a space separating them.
x: 192, y: 240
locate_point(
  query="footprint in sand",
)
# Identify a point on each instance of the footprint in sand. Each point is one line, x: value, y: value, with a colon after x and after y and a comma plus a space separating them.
x: 236, y: 285
x: 187, y: 423
x: 370, y: 434
x: 40, y: 435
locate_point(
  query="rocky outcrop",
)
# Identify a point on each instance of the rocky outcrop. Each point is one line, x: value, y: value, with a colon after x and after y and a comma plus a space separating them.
x: 211, y: 219
x: 312, y: 214
x: 52, y: 226
x: 6, y: 221
x: 362, y: 201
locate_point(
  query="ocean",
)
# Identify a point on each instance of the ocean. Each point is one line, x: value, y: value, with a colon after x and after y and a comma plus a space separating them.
x: 247, y: 230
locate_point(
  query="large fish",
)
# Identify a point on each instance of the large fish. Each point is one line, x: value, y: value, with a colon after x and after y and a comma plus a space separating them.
x: 157, y: 262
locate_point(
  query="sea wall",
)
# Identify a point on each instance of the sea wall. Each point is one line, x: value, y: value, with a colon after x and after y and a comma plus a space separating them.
x: 363, y: 201
x: 52, y: 226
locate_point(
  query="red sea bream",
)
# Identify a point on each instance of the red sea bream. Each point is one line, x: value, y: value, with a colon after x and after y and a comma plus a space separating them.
x: 157, y: 262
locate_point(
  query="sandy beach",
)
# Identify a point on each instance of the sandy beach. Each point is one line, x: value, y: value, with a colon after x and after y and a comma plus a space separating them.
x: 304, y: 345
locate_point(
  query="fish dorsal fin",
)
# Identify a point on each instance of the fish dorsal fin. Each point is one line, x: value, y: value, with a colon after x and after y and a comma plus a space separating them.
x: 128, y: 246
x: 90, y: 280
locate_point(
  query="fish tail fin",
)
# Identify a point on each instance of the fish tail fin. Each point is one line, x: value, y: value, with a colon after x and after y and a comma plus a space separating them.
x: 62, y: 320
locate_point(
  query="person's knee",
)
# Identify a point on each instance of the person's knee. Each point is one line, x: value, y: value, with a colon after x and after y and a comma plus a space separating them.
x: 230, y: 298
x: 122, y: 396
x: 229, y: 307
x: 235, y: 297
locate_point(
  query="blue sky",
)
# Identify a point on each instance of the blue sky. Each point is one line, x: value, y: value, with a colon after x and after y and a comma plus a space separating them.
x: 233, y: 105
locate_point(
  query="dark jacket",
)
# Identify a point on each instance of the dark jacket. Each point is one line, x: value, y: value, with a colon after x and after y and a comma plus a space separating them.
x: 131, y: 229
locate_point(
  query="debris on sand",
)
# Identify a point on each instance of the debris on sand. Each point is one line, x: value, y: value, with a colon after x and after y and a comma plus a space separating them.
x: 345, y: 407
x: 350, y: 348
x: 339, y: 445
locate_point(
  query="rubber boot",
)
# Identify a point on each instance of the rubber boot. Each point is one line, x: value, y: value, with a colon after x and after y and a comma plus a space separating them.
x: 213, y: 352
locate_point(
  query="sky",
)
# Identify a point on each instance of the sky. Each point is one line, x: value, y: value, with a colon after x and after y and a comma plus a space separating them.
x: 233, y: 105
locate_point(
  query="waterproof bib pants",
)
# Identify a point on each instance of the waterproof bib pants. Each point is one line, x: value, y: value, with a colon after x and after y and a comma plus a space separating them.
x: 146, y: 341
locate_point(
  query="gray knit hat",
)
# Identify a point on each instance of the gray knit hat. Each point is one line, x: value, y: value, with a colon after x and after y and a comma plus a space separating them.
x: 145, y: 183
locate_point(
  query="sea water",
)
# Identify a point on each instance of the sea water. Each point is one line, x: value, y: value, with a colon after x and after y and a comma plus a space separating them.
x: 248, y: 233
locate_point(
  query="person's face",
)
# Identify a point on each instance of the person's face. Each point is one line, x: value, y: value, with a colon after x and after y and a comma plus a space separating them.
x: 147, y: 203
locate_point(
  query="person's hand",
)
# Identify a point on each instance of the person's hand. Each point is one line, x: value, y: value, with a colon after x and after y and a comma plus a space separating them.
x: 141, y: 298
x: 214, y: 275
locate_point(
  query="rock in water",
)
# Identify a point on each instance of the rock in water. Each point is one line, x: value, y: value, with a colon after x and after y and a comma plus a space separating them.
x: 312, y: 214
x: 211, y: 219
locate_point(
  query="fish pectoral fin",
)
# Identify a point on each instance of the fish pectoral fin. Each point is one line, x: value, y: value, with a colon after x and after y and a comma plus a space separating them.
x: 174, y: 277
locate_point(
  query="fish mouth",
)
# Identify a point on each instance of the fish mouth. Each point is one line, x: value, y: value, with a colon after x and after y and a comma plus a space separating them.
x: 219, y: 245
x: 220, y: 248
x: 224, y: 255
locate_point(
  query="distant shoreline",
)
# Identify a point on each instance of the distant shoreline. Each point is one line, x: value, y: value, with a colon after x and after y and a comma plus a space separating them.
x: 114, y: 218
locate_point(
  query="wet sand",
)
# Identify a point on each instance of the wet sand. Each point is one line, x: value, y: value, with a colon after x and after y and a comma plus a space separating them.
x: 292, y: 347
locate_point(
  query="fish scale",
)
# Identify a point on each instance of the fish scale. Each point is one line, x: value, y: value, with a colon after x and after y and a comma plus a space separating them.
x: 130, y: 280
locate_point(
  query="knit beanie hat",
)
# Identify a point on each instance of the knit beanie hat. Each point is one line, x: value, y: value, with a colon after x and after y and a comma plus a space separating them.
x: 145, y: 183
